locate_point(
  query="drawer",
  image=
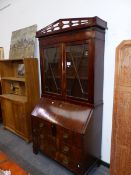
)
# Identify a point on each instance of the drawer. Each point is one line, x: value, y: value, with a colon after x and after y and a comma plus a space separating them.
x: 64, y: 135
x: 75, y: 166
x: 48, y: 145
x: 49, y: 150
x: 46, y: 139
x: 70, y: 151
x: 46, y: 127
x: 70, y: 137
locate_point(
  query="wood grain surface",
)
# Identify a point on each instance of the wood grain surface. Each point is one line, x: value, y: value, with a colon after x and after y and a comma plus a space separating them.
x: 121, y: 134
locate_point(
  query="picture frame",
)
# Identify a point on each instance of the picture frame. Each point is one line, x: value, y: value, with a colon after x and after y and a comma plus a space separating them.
x: 23, y: 43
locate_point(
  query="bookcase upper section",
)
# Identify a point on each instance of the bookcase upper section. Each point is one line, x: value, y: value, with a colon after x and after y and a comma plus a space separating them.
x: 72, y: 59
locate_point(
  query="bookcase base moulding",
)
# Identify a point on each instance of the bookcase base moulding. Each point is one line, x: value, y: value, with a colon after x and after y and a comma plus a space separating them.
x: 67, y: 121
x: 20, y: 93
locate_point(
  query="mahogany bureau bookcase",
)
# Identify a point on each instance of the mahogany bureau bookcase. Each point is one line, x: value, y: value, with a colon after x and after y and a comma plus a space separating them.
x: 67, y: 122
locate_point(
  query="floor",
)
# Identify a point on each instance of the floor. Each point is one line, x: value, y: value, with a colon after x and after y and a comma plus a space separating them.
x: 21, y: 152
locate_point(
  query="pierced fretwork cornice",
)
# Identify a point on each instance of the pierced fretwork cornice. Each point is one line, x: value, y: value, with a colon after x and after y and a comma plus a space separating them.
x: 67, y: 24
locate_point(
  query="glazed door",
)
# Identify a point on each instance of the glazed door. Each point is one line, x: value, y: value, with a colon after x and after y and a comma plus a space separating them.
x: 77, y: 70
x: 52, y: 69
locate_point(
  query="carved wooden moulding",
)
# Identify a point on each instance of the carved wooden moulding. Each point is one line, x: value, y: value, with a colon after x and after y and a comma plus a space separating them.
x: 67, y: 24
x: 121, y: 135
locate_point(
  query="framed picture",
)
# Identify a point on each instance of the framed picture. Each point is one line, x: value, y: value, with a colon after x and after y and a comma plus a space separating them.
x: 23, y: 43
x: 20, y: 70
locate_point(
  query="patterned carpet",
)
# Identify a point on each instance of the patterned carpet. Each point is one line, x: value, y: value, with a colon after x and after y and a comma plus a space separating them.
x: 8, y: 167
x: 21, y: 152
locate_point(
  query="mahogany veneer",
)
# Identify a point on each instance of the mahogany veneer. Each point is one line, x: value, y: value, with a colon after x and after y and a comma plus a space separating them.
x: 67, y: 121
x: 66, y: 132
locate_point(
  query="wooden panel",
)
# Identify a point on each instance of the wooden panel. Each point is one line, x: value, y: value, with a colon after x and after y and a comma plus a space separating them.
x: 15, y: 98
x: 21, y: 124
x: 15, y: 117
x: 8, y: 115
x: 121, y: 134
x: 14, y: 78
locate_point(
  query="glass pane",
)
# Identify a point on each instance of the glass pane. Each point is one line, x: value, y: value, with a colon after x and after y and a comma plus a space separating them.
x: 76, y: 69
x: 52, y: 69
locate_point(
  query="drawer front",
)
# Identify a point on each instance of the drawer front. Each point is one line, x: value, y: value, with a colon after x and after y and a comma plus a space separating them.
x: 70, y: 137
x: 75, y: 166
x: 49, y: 150
x: 63, y: 134
x: 48, y: 145
x: 70, y: 151
x: 48, y: 140
x: 47, y: 128
x: 58, y: 143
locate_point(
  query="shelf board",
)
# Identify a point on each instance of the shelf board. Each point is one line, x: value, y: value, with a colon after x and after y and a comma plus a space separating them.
x: 13, y: 97
x: 11, y: 60
x: 72, y: 77
x: 22, y: 79
x: 68, y: 77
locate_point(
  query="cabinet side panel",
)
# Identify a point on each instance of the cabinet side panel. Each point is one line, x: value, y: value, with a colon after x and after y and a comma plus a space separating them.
x: 93, y: 136
x: 32, y: 82
x: 99, y: 71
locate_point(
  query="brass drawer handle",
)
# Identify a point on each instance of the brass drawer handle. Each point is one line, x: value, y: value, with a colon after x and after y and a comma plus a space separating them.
x: 41, y: 136
x: 66, y: 149
x: 41, y: 125
x: 65, y: 161
x: 65, y: 136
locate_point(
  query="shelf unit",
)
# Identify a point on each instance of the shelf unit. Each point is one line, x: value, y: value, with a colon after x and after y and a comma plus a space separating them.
x: 20, y: 93
x: 14, y: 78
